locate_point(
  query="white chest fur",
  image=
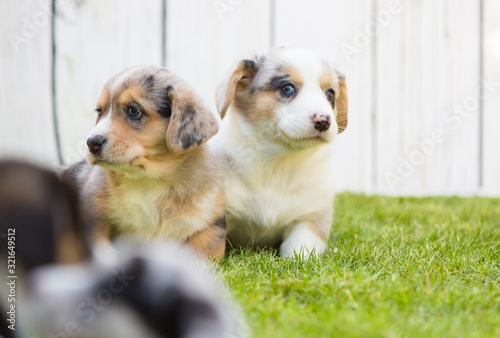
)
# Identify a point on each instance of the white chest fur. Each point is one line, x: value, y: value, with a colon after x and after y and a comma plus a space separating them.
x: 142, y: 207
x: 271, y: 188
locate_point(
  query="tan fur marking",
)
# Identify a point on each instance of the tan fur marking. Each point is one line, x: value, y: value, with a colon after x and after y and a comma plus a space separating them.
x: 326, y: 80
x: 341, y: 106
x: 295, y: 76
x: 321, y: 223
x: 131, y: 94
x: 103, y: 103
x: 210, y: 242
x: 104, y: 99
x: 261, y: 106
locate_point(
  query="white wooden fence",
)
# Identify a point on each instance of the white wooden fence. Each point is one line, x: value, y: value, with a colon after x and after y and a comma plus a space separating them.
x: 423, y: 76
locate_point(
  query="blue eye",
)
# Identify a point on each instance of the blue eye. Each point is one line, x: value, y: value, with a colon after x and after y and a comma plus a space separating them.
x: 133, y: 112
x: 288, y: 90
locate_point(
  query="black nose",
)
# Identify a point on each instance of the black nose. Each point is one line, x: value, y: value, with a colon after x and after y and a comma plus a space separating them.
x: 321, y: 122
x: 95, y: 143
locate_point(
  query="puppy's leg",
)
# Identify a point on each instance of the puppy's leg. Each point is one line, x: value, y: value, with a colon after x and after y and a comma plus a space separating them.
x: 103, y: 234
x: 211, y: 241
x: 308, y: 237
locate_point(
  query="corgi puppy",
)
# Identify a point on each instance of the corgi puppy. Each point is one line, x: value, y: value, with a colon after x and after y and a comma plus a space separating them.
x: 283, y: 110
x: 149, y: 171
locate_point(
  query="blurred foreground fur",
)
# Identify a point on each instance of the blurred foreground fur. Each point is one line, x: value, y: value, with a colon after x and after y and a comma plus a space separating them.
x: 45, y: 215
x: 65, y: 289
x: 159, y: 291
x: 40, y: 223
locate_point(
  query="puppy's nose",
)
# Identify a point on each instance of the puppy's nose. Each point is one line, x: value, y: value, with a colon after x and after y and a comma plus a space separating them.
x: 95, y: 143
x: 321, y: 122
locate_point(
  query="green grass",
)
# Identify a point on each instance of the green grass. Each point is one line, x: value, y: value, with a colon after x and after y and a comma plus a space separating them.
x: 396, y: 267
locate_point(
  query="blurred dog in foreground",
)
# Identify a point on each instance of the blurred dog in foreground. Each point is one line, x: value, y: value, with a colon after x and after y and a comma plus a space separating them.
x: 149, y: 172
x: 284, y: 109
x: 40, y: 223
x: 43, y: 214
x: 159, y: 291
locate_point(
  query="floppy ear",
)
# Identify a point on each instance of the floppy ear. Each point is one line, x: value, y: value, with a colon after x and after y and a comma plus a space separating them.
x: 341, y: 105
x: 240, y: 77
x: 191, y: 124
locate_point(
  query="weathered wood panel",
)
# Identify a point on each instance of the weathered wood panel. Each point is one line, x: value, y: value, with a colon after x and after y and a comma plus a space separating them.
x: 94, y: 41
x: 26, y: 120
x: 329, y: 28
x: 414, y: 117
x: 206, y: 38
x: 491, y: 92
x: 427, y: 110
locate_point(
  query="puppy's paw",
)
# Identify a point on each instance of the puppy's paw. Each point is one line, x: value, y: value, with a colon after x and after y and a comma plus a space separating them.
x: 302, y: 241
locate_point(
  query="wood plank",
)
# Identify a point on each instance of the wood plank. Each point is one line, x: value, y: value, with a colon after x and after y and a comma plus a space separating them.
x: 428, y: 67
x: 206, y: 38
x: 491, y: 136
x: 95, y: 40
x: 329, y: 28
x: 27, y: 126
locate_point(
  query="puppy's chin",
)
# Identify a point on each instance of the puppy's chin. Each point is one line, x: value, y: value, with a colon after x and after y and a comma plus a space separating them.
x: 308, y: 140
x: 101, y: 160
x: 124, y: 165
x: 92, y: 159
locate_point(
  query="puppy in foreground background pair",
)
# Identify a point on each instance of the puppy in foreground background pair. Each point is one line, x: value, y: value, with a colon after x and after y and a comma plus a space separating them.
x: 155, y: 177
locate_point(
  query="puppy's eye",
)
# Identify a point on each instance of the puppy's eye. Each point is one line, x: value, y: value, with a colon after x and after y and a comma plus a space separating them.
x: 288, y: 90
x: 133, y: 112
x: 330, y: 94
x: 99, y: 112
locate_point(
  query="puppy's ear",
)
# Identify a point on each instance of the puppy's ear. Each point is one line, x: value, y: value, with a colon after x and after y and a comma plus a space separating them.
x: 240, y: 78
x: 191, y: 124
x: 341, y: 104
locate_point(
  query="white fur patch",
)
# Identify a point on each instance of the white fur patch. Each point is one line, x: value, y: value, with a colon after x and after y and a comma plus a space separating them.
x: 103, y: 127
x: 303, y: 242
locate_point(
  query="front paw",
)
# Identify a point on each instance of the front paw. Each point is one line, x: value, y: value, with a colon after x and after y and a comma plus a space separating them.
x: 302, y: 241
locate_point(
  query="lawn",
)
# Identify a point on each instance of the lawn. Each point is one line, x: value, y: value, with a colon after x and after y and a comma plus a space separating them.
x: 396, y: 267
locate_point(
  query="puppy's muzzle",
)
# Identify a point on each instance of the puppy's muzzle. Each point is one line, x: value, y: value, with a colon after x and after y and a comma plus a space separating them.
x: 95, y: 144
x: 321, y: 122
